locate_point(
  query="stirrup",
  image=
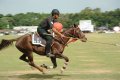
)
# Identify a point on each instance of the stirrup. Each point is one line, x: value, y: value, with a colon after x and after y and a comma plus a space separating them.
x: 50, y: 55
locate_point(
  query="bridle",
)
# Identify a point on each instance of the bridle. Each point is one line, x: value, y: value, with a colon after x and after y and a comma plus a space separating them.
x: 75, y: 34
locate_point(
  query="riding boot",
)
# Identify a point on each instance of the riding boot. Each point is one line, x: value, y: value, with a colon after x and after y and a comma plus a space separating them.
x: 47, y: 49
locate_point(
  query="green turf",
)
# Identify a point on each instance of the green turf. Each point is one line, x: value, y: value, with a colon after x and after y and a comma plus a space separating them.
x: 88, y: 61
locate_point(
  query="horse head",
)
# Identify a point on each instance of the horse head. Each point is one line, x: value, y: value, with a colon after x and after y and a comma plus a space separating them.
x: 75, y: 32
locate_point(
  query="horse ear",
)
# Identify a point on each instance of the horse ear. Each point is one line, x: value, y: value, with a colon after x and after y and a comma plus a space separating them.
x: 75, y: 25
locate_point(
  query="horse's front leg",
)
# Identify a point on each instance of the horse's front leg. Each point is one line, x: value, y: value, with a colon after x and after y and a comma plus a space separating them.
x: 65, y: 63
x: 53, y: 59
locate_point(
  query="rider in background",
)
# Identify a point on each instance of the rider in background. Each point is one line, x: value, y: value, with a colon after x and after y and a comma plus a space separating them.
x: 46, y: 25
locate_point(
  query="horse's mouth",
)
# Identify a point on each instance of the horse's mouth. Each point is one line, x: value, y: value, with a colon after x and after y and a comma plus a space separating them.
x: 84, y: 40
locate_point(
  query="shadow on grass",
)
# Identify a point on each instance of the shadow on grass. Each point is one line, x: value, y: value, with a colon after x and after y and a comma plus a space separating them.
x: 42, y: 76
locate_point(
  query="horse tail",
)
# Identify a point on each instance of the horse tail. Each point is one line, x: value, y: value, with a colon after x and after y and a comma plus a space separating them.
x: 5, y: 43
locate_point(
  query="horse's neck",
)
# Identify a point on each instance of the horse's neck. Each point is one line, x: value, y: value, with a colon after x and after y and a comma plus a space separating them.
x: 67, y: 32
x: 63, y: 40
x: 66, y: 39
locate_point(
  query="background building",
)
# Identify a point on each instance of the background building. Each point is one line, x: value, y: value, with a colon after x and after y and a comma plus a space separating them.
x: 86, y: 26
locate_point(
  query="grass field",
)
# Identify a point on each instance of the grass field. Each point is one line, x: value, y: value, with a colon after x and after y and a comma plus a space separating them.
x: 88, y: 61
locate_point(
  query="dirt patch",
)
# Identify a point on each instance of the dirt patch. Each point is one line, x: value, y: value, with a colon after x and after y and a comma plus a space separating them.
x: 93, y: 64
x: 85, y: 56
x: 97, y: 71
x: 24, y: 72
x: 92, y: 71
x: 54, y: 75
x: 89, y: 60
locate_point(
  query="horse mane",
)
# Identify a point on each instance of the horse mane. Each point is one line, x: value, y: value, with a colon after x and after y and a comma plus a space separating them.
x: 71, y: 27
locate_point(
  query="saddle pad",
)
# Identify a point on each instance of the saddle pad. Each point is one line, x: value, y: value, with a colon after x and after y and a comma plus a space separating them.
x: 37, y: 40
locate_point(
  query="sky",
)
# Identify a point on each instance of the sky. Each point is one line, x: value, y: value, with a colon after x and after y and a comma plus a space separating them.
x: 46, y: 6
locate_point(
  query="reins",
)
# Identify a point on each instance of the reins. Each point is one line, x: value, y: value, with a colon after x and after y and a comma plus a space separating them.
x: 62, y: 41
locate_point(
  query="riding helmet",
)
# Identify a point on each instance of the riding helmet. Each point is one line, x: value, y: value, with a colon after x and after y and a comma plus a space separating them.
x: 55, y: 11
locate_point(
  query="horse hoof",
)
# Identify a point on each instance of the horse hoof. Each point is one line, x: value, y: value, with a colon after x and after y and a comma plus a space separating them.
x: 61, y: 71
x: 43, y: 73
x: 50, y: 67
x: 44, y: 66
x: 32, y: 68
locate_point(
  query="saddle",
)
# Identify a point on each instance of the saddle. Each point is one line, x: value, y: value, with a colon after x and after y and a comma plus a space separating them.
x: 37, y: 40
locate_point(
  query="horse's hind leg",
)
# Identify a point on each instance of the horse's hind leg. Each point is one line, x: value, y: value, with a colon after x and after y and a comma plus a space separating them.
x: 31, y: 62
x: 23, y: 57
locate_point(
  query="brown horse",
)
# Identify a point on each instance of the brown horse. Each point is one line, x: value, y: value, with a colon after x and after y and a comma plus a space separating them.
x: 24, y: 44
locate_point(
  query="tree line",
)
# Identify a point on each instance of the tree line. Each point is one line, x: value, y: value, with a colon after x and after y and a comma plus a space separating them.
x: 99, y: 18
